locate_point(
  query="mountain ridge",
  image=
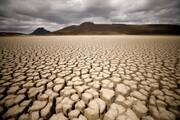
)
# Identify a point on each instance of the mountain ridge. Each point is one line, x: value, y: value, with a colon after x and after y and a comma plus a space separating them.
x: 89, y: 28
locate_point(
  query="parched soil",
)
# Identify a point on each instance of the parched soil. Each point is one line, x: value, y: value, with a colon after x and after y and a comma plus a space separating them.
x: 90, y: 78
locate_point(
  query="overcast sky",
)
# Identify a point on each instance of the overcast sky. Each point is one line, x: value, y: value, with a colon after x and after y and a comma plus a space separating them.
x: 27, y: 15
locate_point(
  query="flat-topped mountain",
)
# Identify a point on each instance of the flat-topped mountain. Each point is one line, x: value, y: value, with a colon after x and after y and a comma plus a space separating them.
x: 89, y: 28
x: 40, y: 31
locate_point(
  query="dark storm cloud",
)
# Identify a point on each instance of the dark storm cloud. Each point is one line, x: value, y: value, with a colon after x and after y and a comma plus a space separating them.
x: 26, y: 15
x: 4, y: 2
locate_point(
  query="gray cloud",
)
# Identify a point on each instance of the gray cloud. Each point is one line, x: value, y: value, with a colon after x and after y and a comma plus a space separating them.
x: 27, y: 15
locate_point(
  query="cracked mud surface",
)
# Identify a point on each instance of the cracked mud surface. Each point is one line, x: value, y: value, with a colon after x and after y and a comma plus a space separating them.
x: 90, y: 78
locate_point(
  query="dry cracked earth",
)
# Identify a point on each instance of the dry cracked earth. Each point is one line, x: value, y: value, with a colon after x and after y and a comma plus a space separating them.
x: 90, y: 78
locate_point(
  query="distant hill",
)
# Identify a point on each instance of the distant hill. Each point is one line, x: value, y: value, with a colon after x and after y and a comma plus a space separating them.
x: 10, y: 34
x: 40, y: 31
x: 89, y: 28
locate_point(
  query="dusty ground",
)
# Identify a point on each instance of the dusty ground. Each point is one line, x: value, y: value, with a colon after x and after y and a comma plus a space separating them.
x: 90, y: 78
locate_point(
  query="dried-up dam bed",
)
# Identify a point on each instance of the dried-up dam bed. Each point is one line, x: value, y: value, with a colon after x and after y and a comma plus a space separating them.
x: 90, y: 78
